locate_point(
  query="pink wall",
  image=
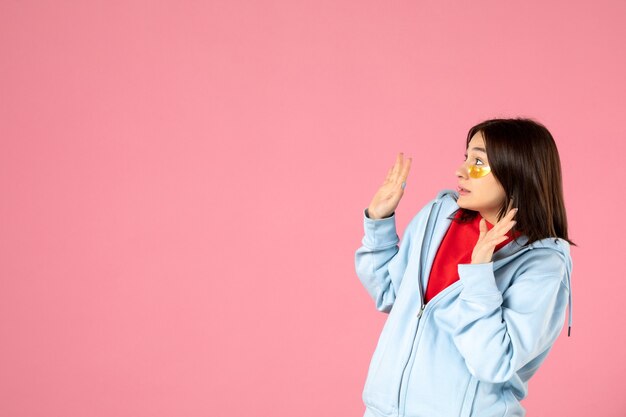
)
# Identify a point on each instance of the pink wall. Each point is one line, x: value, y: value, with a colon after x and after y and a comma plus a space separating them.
x: 182, y: 186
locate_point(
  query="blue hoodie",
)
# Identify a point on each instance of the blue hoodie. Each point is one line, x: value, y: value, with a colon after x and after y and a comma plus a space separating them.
x: 471, y: 350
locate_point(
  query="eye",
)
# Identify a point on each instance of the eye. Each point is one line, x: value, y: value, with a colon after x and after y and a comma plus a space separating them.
x: 477, y: 160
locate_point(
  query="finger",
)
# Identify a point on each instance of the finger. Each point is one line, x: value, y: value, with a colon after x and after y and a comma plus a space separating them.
x: 504, y: 222
x: 405, y: 169
x: 502, y: 239
x: 511, y: 209
x: 496, y: 240
x: 482, y: 225
x: 503, y: 229
x: 509, y: 216
x: 509, y: 226
x: 388, y: 177
x: 396, y: 167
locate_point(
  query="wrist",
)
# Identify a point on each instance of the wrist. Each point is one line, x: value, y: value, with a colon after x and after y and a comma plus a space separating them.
x: 369, y: 214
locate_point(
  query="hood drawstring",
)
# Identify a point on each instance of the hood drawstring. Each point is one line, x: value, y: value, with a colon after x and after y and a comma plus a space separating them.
x: 569, y: 321
x: 569, y: 303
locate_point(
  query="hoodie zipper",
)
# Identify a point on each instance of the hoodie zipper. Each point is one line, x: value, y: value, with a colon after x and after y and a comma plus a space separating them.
x: 422, y: 305
x: 421, y: 311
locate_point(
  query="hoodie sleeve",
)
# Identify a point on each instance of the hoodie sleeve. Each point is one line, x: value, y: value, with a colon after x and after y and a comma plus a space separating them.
x: 500, y: 332
x: 379, y: 262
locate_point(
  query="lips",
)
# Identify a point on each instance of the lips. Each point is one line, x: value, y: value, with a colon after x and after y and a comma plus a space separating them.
x: 462, y: 190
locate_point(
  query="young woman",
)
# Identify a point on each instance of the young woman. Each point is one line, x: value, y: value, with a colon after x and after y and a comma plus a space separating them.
x: 477, y: 290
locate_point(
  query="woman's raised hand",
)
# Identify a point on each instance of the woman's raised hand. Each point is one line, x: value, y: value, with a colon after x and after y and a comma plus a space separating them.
x: 489, y: 239
x: 389, y: 194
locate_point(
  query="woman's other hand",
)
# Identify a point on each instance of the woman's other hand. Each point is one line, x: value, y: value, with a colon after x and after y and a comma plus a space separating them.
x: 389, y: 194
x: 489, y: 239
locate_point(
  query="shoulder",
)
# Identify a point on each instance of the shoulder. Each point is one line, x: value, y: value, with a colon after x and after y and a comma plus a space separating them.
x: 547, y: 259
x: 447, y: 193
x: 540, y: 259
x: 443, y: 197
x: 443, y: 202
x: 555, y: 250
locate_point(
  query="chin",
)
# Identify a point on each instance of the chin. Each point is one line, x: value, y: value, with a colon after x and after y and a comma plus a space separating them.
x: 460, y: 202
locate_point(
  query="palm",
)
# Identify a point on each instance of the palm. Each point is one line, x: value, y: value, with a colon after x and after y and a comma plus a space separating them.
x: 489, y: 239
x: 388, y: 196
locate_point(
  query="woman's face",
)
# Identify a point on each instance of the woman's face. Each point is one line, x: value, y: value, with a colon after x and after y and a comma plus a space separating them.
x: 484, y: 194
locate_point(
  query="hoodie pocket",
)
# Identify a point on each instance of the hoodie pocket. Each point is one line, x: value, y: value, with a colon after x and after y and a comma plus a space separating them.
x: 374, y: 366
x: 470, y: 395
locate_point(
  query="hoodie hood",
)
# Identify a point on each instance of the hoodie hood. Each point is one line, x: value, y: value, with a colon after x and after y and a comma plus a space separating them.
x: 448, y: 199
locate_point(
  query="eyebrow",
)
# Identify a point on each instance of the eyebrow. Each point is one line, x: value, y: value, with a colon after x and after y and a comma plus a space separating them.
x: 483, y: 150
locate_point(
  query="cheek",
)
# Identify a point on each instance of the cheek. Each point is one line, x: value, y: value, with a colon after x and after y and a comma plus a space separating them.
x: 488, y: 189
x: 496, y: 191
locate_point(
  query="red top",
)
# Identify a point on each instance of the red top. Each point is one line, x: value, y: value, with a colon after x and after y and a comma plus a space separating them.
x: 456, y: 248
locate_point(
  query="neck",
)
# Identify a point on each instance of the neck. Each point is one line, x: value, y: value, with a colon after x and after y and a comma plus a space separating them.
x: 490, y: 217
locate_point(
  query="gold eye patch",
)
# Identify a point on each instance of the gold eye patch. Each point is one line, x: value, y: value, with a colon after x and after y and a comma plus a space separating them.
x: 477, y: 171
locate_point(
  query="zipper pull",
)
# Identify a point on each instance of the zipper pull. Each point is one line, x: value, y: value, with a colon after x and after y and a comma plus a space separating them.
x: 421, y: 310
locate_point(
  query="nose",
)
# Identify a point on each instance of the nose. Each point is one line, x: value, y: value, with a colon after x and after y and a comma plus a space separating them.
x: 461, y: 171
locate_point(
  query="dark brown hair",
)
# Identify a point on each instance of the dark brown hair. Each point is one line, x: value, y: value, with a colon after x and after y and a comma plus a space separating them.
x: 523, y: 158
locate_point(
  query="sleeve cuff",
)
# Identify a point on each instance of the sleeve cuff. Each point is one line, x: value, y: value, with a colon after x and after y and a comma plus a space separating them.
x: 380, y: 233
x: 478, y: 281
